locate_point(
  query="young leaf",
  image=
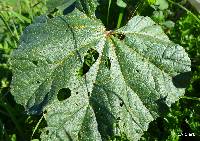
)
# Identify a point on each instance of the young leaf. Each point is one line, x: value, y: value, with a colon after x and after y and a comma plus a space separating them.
x: 119, y: 99
x: 121, y: 3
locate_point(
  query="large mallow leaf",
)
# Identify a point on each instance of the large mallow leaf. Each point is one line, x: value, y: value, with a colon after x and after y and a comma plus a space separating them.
x: 135, y: 77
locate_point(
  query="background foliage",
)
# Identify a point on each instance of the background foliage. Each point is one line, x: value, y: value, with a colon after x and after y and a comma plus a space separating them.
x: 180, y: 25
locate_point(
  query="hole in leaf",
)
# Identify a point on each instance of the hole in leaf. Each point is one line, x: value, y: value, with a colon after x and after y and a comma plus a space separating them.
x: 76, y: 92
x: 121, y: 103
x: 37, y: 82
x: 51, y: 14
x: 121, y: 36
x: 35, y: 62
x: 47, y: 132
x: 107, y: 63
x: 89, y: 59
x: 63, y: 94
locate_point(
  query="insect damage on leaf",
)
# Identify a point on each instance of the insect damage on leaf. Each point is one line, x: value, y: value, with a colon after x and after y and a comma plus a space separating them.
x: 121, y: 75
x: 63, y: 94
x: 89, y: 60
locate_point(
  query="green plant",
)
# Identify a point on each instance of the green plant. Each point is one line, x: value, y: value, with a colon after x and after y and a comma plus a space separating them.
x: 125, y: 87
x: 14, y: 17
x: 184, y: 115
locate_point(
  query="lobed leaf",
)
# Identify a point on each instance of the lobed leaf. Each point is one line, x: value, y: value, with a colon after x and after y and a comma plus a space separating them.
x: 130, y: 84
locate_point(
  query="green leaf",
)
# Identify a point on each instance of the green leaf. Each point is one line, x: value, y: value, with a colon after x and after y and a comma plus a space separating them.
x: 162, y: 4
x: 150, y: 2
x: 60, y: 4
x: 169, y: 24
x: 121, y: 98
x: 20, y: 17
x: 87, y: 6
